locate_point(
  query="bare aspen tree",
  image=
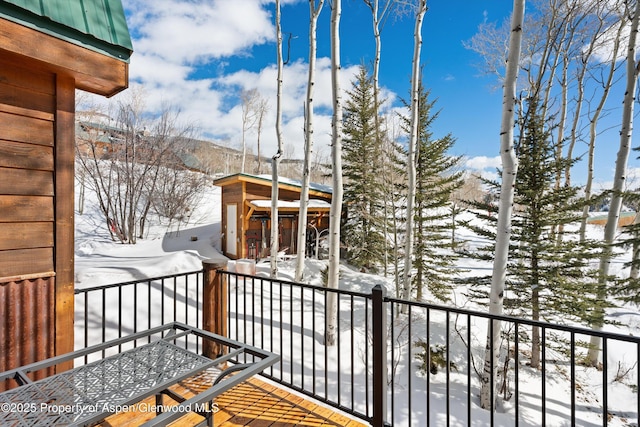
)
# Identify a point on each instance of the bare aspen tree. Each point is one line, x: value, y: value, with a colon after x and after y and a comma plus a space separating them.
x: 606, y: 84
x: 276, y: 159
x: 249, y: 101
x: 421, y: 9
x: 620, y: 176
x: 314, y: 12
x: 503, y: 235
x: 583, y: 59
x: 335, y: 214
x: 378, y: 16
x: 262, y: 109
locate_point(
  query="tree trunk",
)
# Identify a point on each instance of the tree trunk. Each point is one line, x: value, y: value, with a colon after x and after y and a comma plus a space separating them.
x: 413, y: 141
x: 503, y: 235
x: 314, y: 12
x: 634, y: 273
x: 377, y: 16
x: 593, y: 133
x: 618, y: 183
x: 336, y: 197
x: 276, y: 159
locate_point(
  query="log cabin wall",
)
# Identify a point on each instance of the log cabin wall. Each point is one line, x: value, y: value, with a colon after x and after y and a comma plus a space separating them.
x: 36, y: 215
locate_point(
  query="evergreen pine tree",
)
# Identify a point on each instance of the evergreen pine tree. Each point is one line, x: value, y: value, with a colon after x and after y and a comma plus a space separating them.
x: 437, y: 177
x: 394, y: 181
x: 363, y: 228
x: 628, y: 288
x: 549, y: 276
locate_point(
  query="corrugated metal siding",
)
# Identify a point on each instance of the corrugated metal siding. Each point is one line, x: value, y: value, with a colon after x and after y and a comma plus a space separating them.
x: 26, y: 324
x: 103, y: 20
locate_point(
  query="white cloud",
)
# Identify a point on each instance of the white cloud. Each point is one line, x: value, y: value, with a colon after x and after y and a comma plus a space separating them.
x: 173, y: 39
x: 198, y: 30
x: 482, y: 163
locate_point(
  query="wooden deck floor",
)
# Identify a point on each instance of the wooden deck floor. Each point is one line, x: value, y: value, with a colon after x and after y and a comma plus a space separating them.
x: 254, y: 403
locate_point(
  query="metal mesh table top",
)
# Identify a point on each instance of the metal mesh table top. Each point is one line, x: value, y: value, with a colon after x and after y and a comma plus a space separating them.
x: 78, y: 395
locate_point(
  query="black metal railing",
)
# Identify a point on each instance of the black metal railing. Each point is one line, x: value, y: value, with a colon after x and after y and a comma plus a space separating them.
x: 112, y: 311
x: 394, y: 362
x: 288, y: 319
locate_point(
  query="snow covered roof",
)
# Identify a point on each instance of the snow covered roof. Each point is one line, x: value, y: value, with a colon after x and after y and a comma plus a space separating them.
x: 266, y: 180
x: 314, y: 205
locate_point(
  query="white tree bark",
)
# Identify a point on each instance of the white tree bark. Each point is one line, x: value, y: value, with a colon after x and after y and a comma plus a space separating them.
x: 314, y: 12
x: 263, y: 107
x: 593, y: 122
x: 619, y: 181
x: 250, y: 104
x: 276, y: 159
x: 503, y: 235
x: 411, y: 160
x: 336, y: 198
x: 376, y: 17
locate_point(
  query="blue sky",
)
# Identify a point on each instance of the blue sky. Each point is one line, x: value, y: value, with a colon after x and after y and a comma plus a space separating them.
x: 197, y: 55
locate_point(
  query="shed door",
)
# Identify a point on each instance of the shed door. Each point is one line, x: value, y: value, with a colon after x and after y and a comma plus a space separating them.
x: 232, y: 229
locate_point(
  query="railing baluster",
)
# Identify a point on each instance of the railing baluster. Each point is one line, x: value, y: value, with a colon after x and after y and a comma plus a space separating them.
x: 573, y: 379
x: 302, y: 355
x: 281, y: 329
x: 313, y: 341
x: 162, y: 301
x: 104, y: 320
x: 352, y: 351
x: 409, y: 352
x: 447, y: 367
x: 326, y: 366
x: 149, y: 308
x: 86, y: 324
x: 544, y: 376
x: 339, y: 352
x: 605, y: 392
x: 291, y: 333
x: 469, y: 365
x: 428, y: 376
x: 516, y: 362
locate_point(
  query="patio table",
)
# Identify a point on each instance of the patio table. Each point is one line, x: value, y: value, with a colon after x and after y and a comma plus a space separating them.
x: 115, y: 383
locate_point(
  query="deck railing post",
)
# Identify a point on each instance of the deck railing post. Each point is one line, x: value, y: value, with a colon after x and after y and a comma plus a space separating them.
x: 379, y: 333
x: 214, y: 305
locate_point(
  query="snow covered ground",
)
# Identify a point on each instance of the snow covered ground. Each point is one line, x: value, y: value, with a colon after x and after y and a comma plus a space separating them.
x: 165, y: 251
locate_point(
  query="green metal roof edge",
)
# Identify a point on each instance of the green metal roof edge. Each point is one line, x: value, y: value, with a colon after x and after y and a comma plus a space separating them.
x: 61, y: 31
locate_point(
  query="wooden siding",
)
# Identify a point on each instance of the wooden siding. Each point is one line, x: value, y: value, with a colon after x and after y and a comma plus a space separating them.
x: 36, y: 214
x: 27, y: 105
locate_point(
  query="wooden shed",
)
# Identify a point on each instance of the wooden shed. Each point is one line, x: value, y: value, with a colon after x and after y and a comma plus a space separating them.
x: 47, y: 51
x: 246, y: 214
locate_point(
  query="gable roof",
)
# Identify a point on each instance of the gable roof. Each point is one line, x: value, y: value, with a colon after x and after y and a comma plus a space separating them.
x: 98, y: 25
